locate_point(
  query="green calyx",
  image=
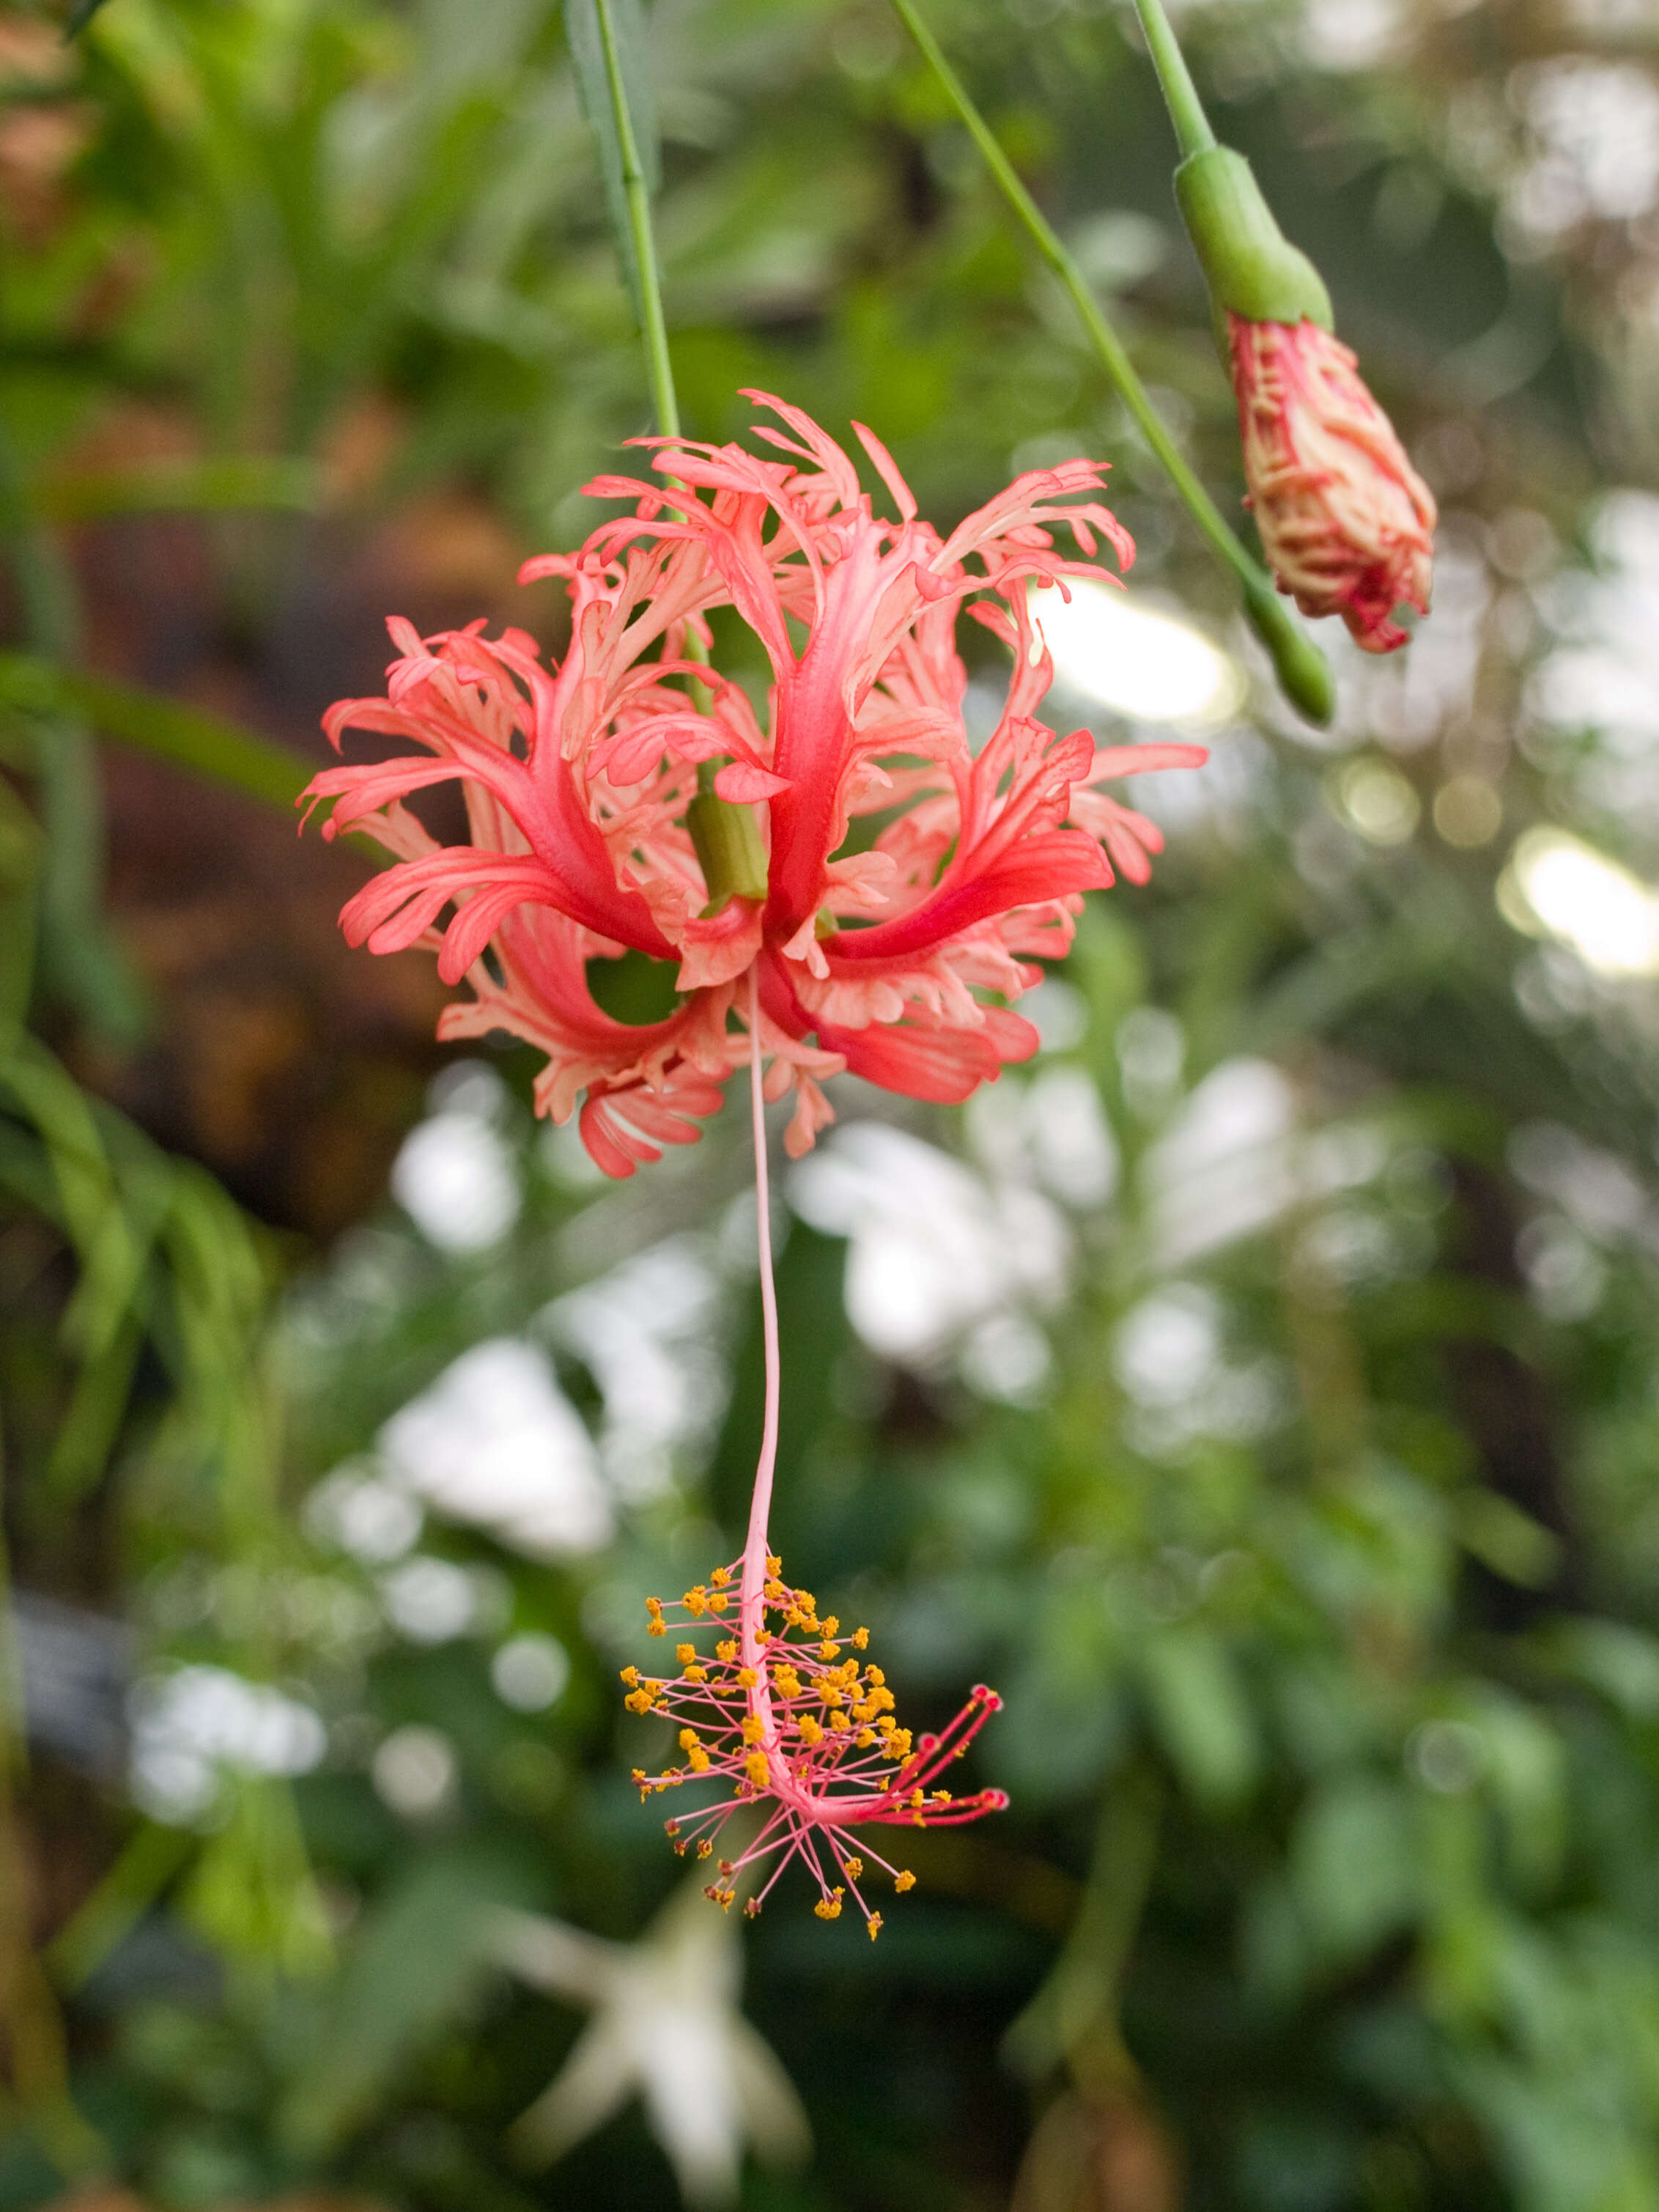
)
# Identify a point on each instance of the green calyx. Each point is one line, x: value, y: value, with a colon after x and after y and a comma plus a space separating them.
x: 1249, y: 265
x: 727, y: 842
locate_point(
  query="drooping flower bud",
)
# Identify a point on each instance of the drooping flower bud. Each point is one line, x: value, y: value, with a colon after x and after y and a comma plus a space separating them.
x: 1347, y: 522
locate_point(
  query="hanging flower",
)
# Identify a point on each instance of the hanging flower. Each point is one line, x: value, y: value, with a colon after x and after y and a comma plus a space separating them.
x: 1347, y: 522
x: 630, y: 800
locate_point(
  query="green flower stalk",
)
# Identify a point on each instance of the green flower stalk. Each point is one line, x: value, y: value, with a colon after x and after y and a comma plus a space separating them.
x: 1301, y: 668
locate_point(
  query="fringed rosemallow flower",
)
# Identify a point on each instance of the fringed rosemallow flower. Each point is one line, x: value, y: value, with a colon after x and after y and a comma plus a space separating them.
x: 1346, y: 523
x: 608, y: 813
x: 630, y: 798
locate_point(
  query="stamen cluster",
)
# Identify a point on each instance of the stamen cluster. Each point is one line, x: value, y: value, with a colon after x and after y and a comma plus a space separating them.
x: 802, y: 1725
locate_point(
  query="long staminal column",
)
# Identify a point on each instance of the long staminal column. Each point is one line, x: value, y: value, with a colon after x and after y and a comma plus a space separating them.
x: 776, y: 1703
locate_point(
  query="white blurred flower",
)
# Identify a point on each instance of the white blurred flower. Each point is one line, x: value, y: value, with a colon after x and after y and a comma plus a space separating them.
x: 666, y: 2026
x: 429, y: 1600
x: 1052, y: 1130
x: 416, y: 1772
x: 454, y: 1175
x: 530, y: 1672
x: 190, y: 1723
x: 496, y: 1442
x: 644, y: 1330
x: 1227, y: 1165
x: 354, y: 1512
x: 935, y: 1249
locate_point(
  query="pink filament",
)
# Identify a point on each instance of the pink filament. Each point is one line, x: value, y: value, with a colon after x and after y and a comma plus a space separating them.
x: 752, y: 1592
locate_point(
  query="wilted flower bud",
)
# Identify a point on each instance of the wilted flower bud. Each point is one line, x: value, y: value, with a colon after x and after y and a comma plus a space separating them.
x: 1346, y: 521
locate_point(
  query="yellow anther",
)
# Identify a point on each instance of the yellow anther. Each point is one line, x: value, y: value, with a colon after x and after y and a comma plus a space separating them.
x: 685, y: 1653
x: 754, y: 1728
x: 874, y: 1675
x: 830, y: 1624
x: 654, y: 1606
x: 828, y: 1908
x: 721, y: 1897
x: 697, y: 1761
x: 762, y: 1636
x: 689, y: 1739
x: 774, y: 1592
x: 830, y: 1694
x: 656, y: 1628
x: 726, y: 1650
x: 828, y: 1651
x: 747, y: 1678
x: 638, y: 1701
x: 810, y: 1732
x: 720, y: 1576
x: 785, y: 1681
x: 861, y: 1639
x: 941, y: 1796
x: 697, y: 1673
x: 705, y: 1849
x: 631, y: 1675
x: 855, y: 1867
x: 696, y: 1602
x: 718, y: 1602
x: 873, y: 1924
x: 774, y: 1564
x: 903, y: 1880
x: 839, y: 1722
x: 756, y: 1767
x: 865, y: 1738
x: 639, y: 1776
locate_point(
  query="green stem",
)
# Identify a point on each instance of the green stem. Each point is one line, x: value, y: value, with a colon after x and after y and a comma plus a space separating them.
x: 1298, y: 661
x: 78, y: 952
x: 1192, y: 125
x: 637, y: 191
x: 653, y: 330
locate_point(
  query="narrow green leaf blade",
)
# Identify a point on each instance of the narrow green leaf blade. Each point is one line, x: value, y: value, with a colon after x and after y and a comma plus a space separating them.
x: 585, y: 35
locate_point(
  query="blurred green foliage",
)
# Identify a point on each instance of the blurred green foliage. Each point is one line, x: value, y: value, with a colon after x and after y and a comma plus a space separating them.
x: 1301, y: 1500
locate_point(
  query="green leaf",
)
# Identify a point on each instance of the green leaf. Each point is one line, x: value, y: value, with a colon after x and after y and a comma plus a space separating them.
x: 411, y: 1969
x: 184, y: 735
x: 585, y: 34
x: 1356, y: 1863
x: 1202, y: 1714
x: 151, y: 487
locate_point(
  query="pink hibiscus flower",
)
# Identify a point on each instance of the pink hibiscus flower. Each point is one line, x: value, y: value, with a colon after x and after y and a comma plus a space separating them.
x: 630, y: 798
x: 601, y: 800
